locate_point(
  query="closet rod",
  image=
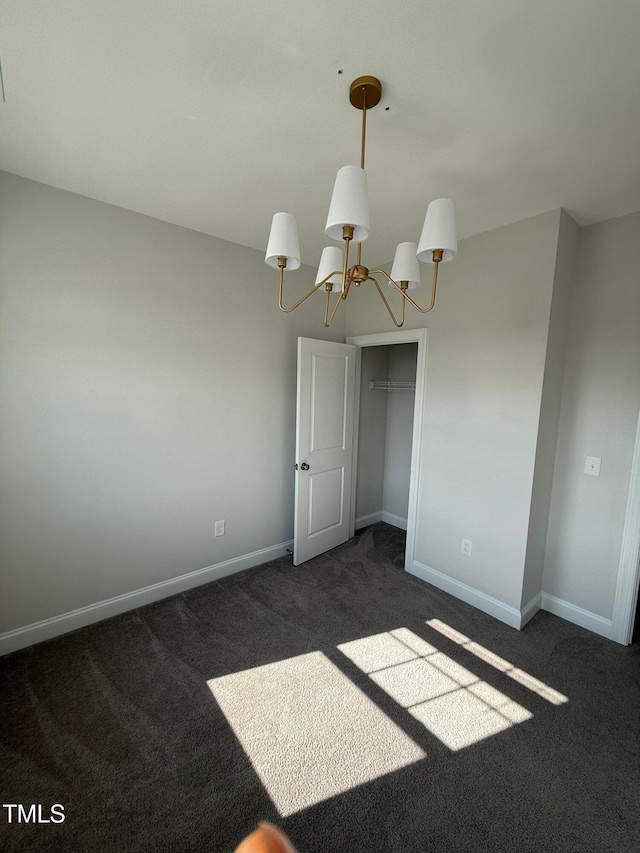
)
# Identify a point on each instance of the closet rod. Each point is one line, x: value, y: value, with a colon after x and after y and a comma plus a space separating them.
x: 391, y: 385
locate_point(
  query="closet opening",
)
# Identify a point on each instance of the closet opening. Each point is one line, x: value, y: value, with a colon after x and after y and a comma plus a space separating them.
x: 385, y: 434
x: 388, y: 431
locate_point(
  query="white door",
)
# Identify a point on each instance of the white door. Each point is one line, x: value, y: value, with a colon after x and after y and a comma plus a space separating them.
x: 324, y: 446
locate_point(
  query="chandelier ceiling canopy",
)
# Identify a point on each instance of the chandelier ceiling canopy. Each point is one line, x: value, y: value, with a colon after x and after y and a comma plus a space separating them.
x: 348, y: 222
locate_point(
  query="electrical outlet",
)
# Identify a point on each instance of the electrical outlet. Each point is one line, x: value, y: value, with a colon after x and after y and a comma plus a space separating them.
x: 219, y: 529
x: 465, y: 547
x: 592, y: 465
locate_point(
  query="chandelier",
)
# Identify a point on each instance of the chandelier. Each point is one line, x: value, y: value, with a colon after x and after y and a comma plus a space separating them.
x: 348, y: 222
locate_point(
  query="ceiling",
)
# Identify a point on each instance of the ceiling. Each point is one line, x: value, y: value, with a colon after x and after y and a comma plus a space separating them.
x: 215, y: 114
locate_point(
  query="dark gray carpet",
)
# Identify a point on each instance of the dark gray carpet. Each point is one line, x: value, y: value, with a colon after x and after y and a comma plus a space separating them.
x: 116, y: 722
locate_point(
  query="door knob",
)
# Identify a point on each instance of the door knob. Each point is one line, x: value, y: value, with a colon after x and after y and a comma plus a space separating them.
x: 304, y: 467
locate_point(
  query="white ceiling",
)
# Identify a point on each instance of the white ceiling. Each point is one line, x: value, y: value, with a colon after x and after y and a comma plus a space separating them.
x: 215, y: 114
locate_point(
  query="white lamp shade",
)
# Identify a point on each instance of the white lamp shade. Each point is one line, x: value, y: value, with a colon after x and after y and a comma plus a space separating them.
x: 330, y: 261
x: 405, y: 265
x: 283, y: 242
x: 439, y: 232
x: 349, y: 205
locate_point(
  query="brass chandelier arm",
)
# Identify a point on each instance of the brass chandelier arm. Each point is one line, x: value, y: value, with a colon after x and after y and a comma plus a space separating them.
x: 406, y: 295
x: 347, y: 279
x: 386, y: 304
x: 347, y: 285
x: 328, y: 320
x: 282, y: 262
x: 347, y: 236
x: 300, y: 301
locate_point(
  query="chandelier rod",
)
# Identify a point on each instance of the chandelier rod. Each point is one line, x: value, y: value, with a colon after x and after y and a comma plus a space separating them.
x: 364, y: 125
x: 362, y: 145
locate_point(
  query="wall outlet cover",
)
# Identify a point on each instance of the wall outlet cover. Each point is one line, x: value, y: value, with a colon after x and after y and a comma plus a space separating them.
x: 592, y: 465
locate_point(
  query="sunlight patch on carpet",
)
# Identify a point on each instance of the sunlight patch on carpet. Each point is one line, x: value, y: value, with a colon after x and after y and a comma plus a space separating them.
x: 500, y: 664
x: 308, y: 731
x: 452, y: 703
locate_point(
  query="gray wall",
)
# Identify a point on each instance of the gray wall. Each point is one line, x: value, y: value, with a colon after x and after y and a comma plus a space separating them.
x: 599, y: 415
x: 485, y: 368
x: 147, y: 390
x: 507, y: 426
x: 399, y: 433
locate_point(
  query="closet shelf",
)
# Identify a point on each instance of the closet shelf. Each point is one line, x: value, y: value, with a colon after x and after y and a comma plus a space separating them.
x: 384, y: 385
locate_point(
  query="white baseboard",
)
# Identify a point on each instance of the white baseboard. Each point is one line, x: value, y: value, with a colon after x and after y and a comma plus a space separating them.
x: 578, y: 616
x: 395, y: 520
x: 381, y: 515
x: 38, y: 632
x: 509, y: 615
x: 366, y: 520
x: 497, y: 609
x: 529, y: 610
x: 11, y: 641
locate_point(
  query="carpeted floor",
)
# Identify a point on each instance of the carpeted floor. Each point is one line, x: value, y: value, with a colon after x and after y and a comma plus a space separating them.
x: 348, y: 702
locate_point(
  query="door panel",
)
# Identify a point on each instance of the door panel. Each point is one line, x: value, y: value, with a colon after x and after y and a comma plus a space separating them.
x: 328, y: 420
x: 325, y: 500
x: 324, y: 443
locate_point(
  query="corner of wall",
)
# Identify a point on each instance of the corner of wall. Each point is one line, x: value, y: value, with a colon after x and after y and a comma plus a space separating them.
x: 599, y: 416
x: 550, y: 404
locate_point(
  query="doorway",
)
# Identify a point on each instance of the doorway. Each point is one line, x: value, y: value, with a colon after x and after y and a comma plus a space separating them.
x: 387, y: 395
x: 371, y: 483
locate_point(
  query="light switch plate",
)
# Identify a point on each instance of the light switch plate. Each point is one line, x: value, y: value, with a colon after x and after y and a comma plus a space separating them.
x: 592, y: 466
